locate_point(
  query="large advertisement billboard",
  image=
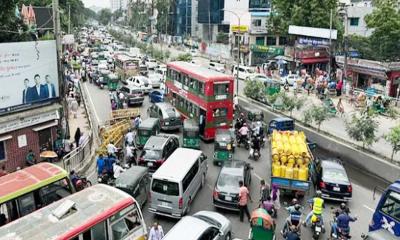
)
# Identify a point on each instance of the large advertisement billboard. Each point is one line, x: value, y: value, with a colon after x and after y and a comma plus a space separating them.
x: 28, y: 75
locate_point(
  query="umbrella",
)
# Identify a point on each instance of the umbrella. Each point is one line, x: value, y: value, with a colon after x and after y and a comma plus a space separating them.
x: 48, y: 154
x: 24, y: 13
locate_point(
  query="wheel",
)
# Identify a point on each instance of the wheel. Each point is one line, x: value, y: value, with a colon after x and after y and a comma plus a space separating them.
x: 228, y: 236
x: 202, y: 181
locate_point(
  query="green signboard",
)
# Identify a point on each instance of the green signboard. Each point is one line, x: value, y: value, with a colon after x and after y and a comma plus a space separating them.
x: 266, y: 49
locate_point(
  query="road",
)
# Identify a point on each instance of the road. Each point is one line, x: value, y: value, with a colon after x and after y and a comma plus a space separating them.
x: 362, y: 204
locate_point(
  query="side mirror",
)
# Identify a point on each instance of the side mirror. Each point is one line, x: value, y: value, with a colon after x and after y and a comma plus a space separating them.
x: 312, y: 146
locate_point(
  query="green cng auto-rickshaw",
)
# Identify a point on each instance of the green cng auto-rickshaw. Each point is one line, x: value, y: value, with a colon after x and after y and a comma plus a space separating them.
x: 191, y: 137
x: 272, y: 87
x: 135, y: 181
x: 149, y: 127
x: 223, y: 146
x: 112, y: 81
x: 262, y: 226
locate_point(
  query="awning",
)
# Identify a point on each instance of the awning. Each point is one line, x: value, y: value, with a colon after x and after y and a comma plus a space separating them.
x: 47, y: 125
x: 6, y: 137
x: 314, y: 60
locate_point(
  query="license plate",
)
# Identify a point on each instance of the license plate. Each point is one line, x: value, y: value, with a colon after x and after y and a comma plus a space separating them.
x: 337, y: 189
x: 318, y: 229
x: 150, y: 164
x: 166, y: 123
x: 228, y: 198
x: 164, y: 204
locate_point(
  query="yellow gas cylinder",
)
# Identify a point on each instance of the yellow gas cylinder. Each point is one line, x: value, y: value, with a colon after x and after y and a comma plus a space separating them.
x: 283, y: 158
x: 276, y: 170
x: 289, y: 172
x: 303, y: 174
x: 295, y: 173
x: 291, y: 159
x: 283, y: 170
x: 299, y: 161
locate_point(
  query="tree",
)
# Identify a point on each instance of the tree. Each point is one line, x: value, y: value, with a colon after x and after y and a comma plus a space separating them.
x: 362, y: 128
x: 105, y: 16
x: 254, y: 89
x: 12, y: 28
x: 385, y: 20
x: 291, y: 103
x: 184, y: 57
x: 393, y: 137
x: 317, y: 114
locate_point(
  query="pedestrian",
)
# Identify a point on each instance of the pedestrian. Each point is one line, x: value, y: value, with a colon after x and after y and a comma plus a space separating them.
x: 156, y: 232
x: 74, y: 107
x: 244, y: 197
x: 235, y: 103
x: 117, y: 169
x: 129, y: 137
x: 111, y: 149
x: 339, y: 87
x: 275, y: 196
x: 78, y: 99
x: 67, y: 146
x: 77, y: 136
x: 340, y: 107
x: 30, y: 158
x: 3, y: 171
x: 137, y: 122
x: 264, y: 190
x: 108, y: 164
x: 100, y: 164
x: 82, y: 139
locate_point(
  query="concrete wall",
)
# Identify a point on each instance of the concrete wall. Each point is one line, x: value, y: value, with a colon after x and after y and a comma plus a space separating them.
x: 359, y: 12
x: 367, y: 163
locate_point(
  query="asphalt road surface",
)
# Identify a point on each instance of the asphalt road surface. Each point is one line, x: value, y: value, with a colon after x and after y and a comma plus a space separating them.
x: 362, y: 204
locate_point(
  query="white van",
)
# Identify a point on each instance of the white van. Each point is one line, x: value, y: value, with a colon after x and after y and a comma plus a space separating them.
x: 175, y: 184
x: 245, y: 73
x: 216, y: 67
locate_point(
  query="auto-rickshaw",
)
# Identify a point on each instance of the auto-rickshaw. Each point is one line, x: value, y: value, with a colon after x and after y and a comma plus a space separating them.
x: 281, y: 124
x: 262, y: 226
x: 112, y: 81
x: 135, y: 182
x: 149, y: 127
x: 272, y: 87
x: 191, y: 137
x: 223, y: 145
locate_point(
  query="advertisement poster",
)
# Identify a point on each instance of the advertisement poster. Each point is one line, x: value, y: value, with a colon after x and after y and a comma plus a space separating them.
x: 28, y: 74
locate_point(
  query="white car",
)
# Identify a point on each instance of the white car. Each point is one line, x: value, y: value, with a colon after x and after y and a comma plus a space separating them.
x: 260, y: 77
x: 290, y: 79
x: 140, y: 82
x: 151, y: 64
x: 245, y: 73
x: 216, y: 67
x: 155, y: 79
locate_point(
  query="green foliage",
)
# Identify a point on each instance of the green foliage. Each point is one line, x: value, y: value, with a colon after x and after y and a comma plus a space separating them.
x: 163, y: 7
x: 12, y: 28
x: 186, y: 57
x: 254, y: 89
x: 104, y: 16
x: 223, y: 38
x: 393, y: 137
x: 362, y: 128
x: 291, y: 103
x: 308, y: 117
x: 392, y: 112
x: 319, y: 114
x: 385, y: 20
x: 139, y: 19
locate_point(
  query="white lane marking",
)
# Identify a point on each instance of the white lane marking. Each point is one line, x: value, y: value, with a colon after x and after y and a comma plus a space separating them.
x: 257, y: 176
x: 372, y: 210
x: 92, y: 103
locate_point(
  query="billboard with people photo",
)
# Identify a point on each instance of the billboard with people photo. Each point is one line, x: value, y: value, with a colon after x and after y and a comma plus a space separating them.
x: 28, y: 75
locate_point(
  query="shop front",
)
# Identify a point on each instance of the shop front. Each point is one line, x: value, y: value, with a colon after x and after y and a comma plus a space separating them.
x: 260, y: 54
x: 311, y: 59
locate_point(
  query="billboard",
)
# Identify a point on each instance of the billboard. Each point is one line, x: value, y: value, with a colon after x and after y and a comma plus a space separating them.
x: 28, y: 75
x: 258, y: 4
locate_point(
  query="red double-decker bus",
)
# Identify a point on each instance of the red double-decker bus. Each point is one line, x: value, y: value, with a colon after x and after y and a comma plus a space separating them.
x: 201, y: 94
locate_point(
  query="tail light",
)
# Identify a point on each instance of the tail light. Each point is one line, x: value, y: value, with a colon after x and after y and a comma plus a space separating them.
x: 322, y: 185
x: 215, y: 193
x: 180, y: 203
x: 159, y: 162
x: 349, y: 188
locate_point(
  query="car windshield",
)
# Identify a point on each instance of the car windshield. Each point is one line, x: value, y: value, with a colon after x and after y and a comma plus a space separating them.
x: 165, y: 187
x: 208, y: 220
x: 228, y: 180
x: 151, y: 154
x: 391, y: 206
x: 333, y: 174
x: 144, y: 132
x: 170, y: 112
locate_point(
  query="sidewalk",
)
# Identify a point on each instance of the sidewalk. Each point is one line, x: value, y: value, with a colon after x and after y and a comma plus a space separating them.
x: 336, y: 126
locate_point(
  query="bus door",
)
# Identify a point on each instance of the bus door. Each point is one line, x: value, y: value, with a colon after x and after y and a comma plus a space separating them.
x: 202, y: 121
x: 387, y: 214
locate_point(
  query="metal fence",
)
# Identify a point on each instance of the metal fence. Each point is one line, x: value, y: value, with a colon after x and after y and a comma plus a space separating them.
x: 79, y: 157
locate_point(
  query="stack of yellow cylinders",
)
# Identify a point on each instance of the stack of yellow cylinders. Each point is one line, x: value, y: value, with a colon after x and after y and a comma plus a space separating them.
x: 283, y: 171
x: 289, y: 172
x: 276, y: 170
x: 303, y: 174
x: 295, y: 173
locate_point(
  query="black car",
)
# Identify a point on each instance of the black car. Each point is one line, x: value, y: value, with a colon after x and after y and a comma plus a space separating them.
x: 133, y: 96
x: 332, y: 180
x: 157, y: 149
x: 226, y: 189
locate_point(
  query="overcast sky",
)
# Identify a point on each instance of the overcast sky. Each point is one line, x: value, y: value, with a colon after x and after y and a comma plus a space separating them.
x: 98, y: 3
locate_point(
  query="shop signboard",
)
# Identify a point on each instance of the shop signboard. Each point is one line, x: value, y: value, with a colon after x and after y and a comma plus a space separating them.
x: 28, y: 74
x: 28, y: 121
x: 257, y: 4
x: 266, y: 49
x: 312, y: 54
x: 310, y: 41
x: 240, y: 29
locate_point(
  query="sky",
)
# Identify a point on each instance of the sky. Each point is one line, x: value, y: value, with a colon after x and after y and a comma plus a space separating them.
x: 97, y: 3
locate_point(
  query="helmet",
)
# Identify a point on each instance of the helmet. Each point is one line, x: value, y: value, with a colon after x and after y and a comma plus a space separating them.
x: 242, y: 114
x: 318, y: 193
x: 297, y: 207
x: 72, y: 172
x: 294, y: 201
x: 244, y: 124
x: 343, y: 206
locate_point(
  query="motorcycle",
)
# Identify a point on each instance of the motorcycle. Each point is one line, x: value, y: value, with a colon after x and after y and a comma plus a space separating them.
x: 292, y: 233
x: 105, y: 178
x: 254, y: 153
x: 316, y: 227
x: 82, y: 183
x: 342, y: 234
x: 240, y: 139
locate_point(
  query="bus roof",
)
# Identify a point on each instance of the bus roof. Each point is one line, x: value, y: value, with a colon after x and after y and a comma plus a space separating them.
x: 177, y: 165
x: 199, y: 72
x: 25, y: 180
x: 124, y: 58
x: 92, y: 205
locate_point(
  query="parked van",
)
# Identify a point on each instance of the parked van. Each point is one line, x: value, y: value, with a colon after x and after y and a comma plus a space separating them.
x: 245, y: 73
x: 216, y: 67
x: 175, y: 183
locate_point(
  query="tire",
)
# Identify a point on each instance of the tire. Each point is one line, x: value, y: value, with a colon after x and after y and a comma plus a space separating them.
x: 228, y: 236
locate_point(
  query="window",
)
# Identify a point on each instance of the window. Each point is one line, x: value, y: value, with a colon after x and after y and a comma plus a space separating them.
x: 256, y: 22
x: 26, y: 204
x: 260, y: 41
x: 201, y: 88
x: 9, y: 209
x: 165, y: 187
x: 391, y: 206
x: 99, y: 231
x: 354, y: 21
x: 2, y: 151
x: 55, y: 191
x: 122, y: 226
x: 282, y: 41
x: 190, y: 176
x: 220, y: 112
x: 271, y: 41
x: 221, y: 89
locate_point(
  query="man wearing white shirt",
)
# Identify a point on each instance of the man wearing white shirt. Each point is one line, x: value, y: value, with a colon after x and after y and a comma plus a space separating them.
x: 129, y: 138
x: 111, y: 149
x: 117, y: 169
x: 156, y: 232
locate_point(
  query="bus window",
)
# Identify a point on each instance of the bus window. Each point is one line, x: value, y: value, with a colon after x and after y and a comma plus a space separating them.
x: 55, y: 191
x: 221, y: 89
x: 97, y: 232
x: 9, y: 209
x: 26, y: 204
x: 391, y: 206
x: 123, y: 226
x: 220, y: 112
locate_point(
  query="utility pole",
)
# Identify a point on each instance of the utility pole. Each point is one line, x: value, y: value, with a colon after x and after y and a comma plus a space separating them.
x: 346, y: 27
x: 238, y: 60
x: 330, y: 44
x: 56, y: 26
x: 69, y: 19
x: 209, y: 22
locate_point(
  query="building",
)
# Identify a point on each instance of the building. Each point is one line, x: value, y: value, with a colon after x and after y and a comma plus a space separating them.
x: 382, y: 77
x: 118, y: 4
x: 355, y: 18
x: 209, y: 19
x: 184, y: 17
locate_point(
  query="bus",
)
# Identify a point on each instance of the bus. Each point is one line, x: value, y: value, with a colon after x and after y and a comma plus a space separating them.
x: 385, y: 222
x: 100, y: 212
x: 126, y: 66
x: 31, y: 188
x: 201, y: 94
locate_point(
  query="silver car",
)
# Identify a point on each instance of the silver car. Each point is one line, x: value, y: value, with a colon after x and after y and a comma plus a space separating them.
x: 202, y: 225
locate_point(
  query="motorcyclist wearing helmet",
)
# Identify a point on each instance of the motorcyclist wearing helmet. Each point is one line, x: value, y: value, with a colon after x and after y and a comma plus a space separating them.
x: 255, y: 145
x: 74, y: 178
x: 243, y: 132
x: 294, y: 218
x: 292, y: 234
x: 342, y: 223
x: 268, y: 205
x: 317, y: 208
x: 240, y: 121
